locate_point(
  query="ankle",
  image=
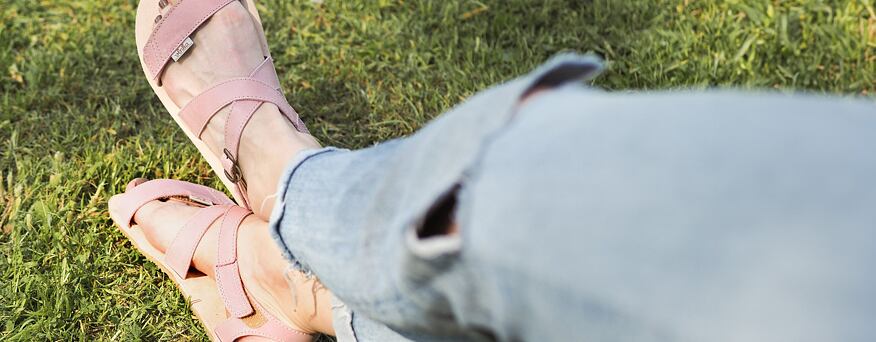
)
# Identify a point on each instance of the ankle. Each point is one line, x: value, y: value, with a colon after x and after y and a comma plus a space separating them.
x: 263, y: 271
x: 268, y: 144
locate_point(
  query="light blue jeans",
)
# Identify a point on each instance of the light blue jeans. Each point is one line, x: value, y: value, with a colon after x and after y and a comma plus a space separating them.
x: 594, y: 216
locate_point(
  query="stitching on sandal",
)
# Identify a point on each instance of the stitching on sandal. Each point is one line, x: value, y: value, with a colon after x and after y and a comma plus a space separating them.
x: 161, y: 63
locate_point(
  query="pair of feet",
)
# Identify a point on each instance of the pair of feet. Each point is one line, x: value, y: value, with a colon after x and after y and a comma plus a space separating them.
x: 230, y: 45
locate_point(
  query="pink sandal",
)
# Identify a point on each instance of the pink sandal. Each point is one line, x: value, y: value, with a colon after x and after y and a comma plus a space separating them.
x: 210, y: 299
x: 164, y: 39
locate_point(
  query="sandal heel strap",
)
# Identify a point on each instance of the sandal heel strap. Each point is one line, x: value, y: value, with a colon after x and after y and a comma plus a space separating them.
x: 227, y: 269
x: 241, y: 113
x: 234, y: 296
x: 245, y: 95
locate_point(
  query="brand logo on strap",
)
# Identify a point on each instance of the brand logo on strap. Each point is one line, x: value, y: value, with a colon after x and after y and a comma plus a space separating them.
x: 182, y: 48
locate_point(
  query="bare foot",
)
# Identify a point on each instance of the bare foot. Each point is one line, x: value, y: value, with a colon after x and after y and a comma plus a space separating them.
x: 299, y: 301
x: 228, y: 46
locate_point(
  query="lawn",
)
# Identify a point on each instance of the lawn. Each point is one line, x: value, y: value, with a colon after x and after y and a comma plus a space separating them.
x: 77, y: 119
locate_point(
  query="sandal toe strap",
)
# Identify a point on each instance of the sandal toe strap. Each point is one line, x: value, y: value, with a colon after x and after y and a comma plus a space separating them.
x: 139, y: 194
x: 181, y: 251
x: 170, y: 37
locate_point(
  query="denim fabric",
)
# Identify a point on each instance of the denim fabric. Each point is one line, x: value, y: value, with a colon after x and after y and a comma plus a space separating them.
x: 587, y: 215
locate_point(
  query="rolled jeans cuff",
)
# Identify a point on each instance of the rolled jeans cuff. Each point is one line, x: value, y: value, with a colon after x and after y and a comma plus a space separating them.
x: 280, y: 202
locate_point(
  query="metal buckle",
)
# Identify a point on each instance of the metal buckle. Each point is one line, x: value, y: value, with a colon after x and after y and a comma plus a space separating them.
x: 236, y: 176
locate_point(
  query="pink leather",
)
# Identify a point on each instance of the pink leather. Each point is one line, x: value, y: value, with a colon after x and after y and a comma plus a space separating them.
x: 233, y: 329
x: 227, y: 271
x: 265, y: 72
x: 240, y: 114
x: 181, y: 251
x: 179, y: 22
x: 244, y: 95
x: 198, y: 112
x: 241, y: 111
x: 144, y: 192
x: 233, y: 294
x: 135, y: 182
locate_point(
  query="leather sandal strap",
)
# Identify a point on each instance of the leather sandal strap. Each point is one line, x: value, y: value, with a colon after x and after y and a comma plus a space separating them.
x: 242, y: 111
x: 266, y: 72
x: 233, y: 329
x: 171, y: 36
x: 227, y: 269
x: 239, y: 115
x: 139, y: 194
x: 234, y: 295
x: 181, y: 251
x: 244, y: 95
x: 198, y: 112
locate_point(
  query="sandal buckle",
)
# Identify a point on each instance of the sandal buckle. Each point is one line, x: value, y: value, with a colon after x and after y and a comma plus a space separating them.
x: 236, y: 175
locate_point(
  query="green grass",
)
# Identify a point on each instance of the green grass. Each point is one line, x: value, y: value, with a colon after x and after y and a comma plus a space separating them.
x: 77, y: 119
